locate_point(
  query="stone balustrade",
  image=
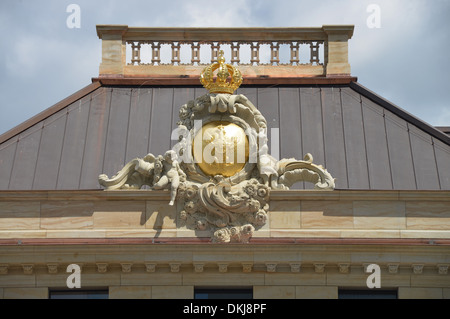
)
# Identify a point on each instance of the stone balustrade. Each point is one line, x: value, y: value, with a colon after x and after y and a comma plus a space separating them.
x: 259, y: 52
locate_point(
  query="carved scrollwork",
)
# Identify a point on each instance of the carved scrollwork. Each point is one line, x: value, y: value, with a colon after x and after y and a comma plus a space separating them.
x: 292, y: 171
x: 230, y: 212
x: 229, y: 207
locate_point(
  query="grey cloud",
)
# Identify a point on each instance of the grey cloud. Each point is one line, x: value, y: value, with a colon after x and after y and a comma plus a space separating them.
x: 43, y: 61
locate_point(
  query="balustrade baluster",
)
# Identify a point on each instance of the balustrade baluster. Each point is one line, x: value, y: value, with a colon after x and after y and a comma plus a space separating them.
x: 176, y: 53
x: 195, y: 58
x: 275, y: 53
x: 156, y: 48
x: 235, y: 53
x: 135, y: 53
x: 314, y: 48
x: 254, y: 60
x: 215, y: 46
x: 295, y: 56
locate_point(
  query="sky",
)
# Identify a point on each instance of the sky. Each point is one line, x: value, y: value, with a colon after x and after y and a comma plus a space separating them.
x: 399, y: 49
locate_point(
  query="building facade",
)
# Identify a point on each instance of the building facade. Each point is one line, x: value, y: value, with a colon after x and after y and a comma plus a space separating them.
x: 330, y: 191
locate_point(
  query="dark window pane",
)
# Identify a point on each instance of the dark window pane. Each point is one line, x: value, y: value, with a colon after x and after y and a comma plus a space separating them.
x: 225, y: 293
x: 78, y: 294
x: 367, y: 294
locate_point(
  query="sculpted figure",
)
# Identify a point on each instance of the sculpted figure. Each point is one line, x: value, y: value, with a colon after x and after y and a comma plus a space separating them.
x: 158, y: 172
x: 266, y: 164
x: 172, y: 175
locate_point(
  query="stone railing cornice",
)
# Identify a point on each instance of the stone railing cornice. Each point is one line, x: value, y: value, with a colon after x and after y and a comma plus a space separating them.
x: 214, y: 34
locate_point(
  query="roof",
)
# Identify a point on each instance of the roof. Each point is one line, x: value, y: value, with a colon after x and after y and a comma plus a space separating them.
x: 363, y: 140
x: 445, y: 129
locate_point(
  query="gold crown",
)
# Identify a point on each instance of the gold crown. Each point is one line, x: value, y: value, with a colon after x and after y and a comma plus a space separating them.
x: 221, y: 84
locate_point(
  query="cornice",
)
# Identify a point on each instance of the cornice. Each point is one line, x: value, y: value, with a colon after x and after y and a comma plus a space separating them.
x: 337, y: 256
x: 275, y: 195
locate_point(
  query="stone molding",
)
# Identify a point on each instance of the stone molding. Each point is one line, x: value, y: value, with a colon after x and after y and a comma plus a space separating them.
x: 126, y: 267
x: 102, y: 267
x: 223, y: 267
x: 344, y: 268
x: 443, y: 269
x: 28, y: 269
x: 319, y: 267
x: 277, y: 195
x: 244, y: 267
x: 295, y: 266
x: 4, y: 269
x: 150, y: 267
x: 294, y: 216
x: 52, y: 268
x: 417, y: 268
x: 175, y: 267
x: 194, y: 258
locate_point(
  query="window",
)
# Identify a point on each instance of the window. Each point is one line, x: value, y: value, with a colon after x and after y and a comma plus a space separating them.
x: 367, y: 294
x: 78, y: 294
x: 223, y: 293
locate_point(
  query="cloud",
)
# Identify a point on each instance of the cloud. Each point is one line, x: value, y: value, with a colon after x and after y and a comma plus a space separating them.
x: 444, y: 118
x: 25, y: 56
x: 404, y: 61
x: 215, y: 14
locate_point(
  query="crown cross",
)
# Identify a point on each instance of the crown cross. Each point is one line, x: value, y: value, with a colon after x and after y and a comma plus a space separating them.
x: 228, y: 77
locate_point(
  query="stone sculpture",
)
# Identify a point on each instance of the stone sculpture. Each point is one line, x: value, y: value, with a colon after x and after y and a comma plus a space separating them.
x: 219, y: 172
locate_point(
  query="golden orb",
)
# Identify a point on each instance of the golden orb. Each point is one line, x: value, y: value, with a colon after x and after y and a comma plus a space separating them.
x: 221, y: 148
